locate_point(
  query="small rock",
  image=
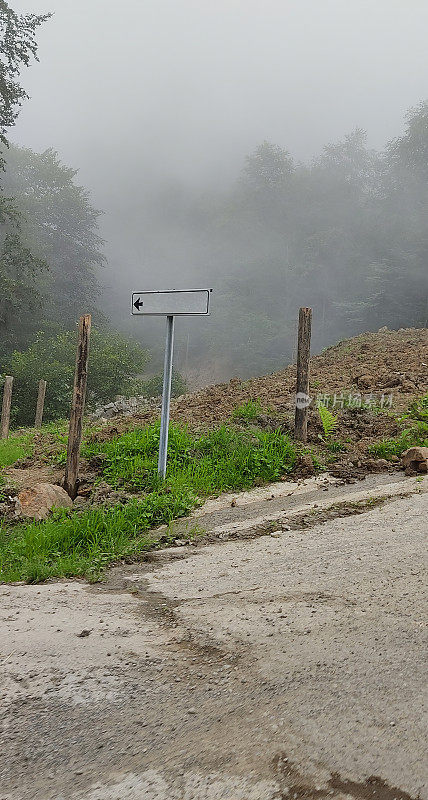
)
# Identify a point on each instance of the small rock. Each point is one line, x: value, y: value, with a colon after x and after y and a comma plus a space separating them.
x: 37, y: 502
x: 83, y: 634
x: 364, y: 381
x: 415, y: 459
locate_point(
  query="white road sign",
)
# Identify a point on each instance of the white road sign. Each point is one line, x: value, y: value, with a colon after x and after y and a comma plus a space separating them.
x: 172, y: 303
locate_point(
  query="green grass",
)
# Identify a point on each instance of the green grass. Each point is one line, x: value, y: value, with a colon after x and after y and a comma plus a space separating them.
x: 249, y: 411
x: 17, y: 446
x: 71, y: 544
x: 414, y: 436
x: 84, y: 544
x: 215, y: 462
x: 414, y: 432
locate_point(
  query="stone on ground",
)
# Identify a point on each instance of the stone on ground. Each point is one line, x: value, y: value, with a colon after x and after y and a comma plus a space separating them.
x: 37, y: 502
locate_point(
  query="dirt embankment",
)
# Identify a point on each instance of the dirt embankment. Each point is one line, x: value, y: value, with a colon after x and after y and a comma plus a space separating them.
x: 372, y: 364
x: 354, y: 378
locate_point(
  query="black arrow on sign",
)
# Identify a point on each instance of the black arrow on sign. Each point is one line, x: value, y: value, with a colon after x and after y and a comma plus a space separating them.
x: 138, y: 304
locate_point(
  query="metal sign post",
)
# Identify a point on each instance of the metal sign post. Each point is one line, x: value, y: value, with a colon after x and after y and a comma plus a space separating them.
x: 166, y: 396
x: 170, y: 304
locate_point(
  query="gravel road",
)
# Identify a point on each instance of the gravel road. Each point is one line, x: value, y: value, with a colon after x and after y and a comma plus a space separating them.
x: 289, y: 665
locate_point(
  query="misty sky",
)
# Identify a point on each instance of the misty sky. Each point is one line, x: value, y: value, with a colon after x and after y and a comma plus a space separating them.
x: 140, y: 95
x: 188, y: 87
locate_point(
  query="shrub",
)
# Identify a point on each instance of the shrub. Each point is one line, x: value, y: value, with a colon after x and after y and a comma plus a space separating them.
x: 113, y: 361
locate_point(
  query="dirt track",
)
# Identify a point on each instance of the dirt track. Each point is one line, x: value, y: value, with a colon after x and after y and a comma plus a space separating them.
x: 286, y: 666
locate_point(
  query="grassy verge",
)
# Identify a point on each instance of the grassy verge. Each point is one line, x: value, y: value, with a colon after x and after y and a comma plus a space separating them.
x: 83, y: 544
x: 214, y: 462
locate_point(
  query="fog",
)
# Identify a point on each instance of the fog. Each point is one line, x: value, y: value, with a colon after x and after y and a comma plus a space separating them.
x: 158, y: 102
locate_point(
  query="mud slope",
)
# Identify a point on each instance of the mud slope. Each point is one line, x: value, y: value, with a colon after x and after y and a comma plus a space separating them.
x: 387, y: 362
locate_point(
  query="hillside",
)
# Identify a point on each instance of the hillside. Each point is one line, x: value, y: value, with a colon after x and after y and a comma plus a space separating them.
x: 386, y: 362
x: 368, y: 382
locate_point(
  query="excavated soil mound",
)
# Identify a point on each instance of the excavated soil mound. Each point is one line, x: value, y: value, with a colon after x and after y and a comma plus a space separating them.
x: 386, y: 369
x: 372, y: 364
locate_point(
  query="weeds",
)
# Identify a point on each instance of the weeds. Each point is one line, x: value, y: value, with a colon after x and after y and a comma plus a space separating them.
x: 415, y: 434
x: 249, y: 411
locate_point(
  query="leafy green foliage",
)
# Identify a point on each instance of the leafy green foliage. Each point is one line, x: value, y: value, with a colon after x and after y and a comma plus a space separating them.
x: 114, y: 360
x: 17, y: 46
x: 248, y: 411
x: 329, y: 421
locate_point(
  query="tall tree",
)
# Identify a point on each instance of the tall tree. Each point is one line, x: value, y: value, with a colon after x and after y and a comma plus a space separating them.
x: 59, y: 226
x: 20, y: 299
x: 17, y: 46
x: 20, y: 311
x: 267, y: 168
x: 410, y: 151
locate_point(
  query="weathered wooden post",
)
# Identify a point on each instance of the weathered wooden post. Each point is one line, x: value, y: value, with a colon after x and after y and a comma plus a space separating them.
x: 302, y: 384
x: 77, y: 407
x: 5, y: 411
x: 40, y: 404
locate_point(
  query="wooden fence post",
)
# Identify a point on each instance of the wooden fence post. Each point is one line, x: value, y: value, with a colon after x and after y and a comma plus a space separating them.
x: 302, y: 383
x: 40, y: 404
x: 77, y: 407
x: 5, y: 411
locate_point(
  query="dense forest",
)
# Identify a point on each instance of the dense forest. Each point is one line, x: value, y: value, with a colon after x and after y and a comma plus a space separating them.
x: 346, y: 234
